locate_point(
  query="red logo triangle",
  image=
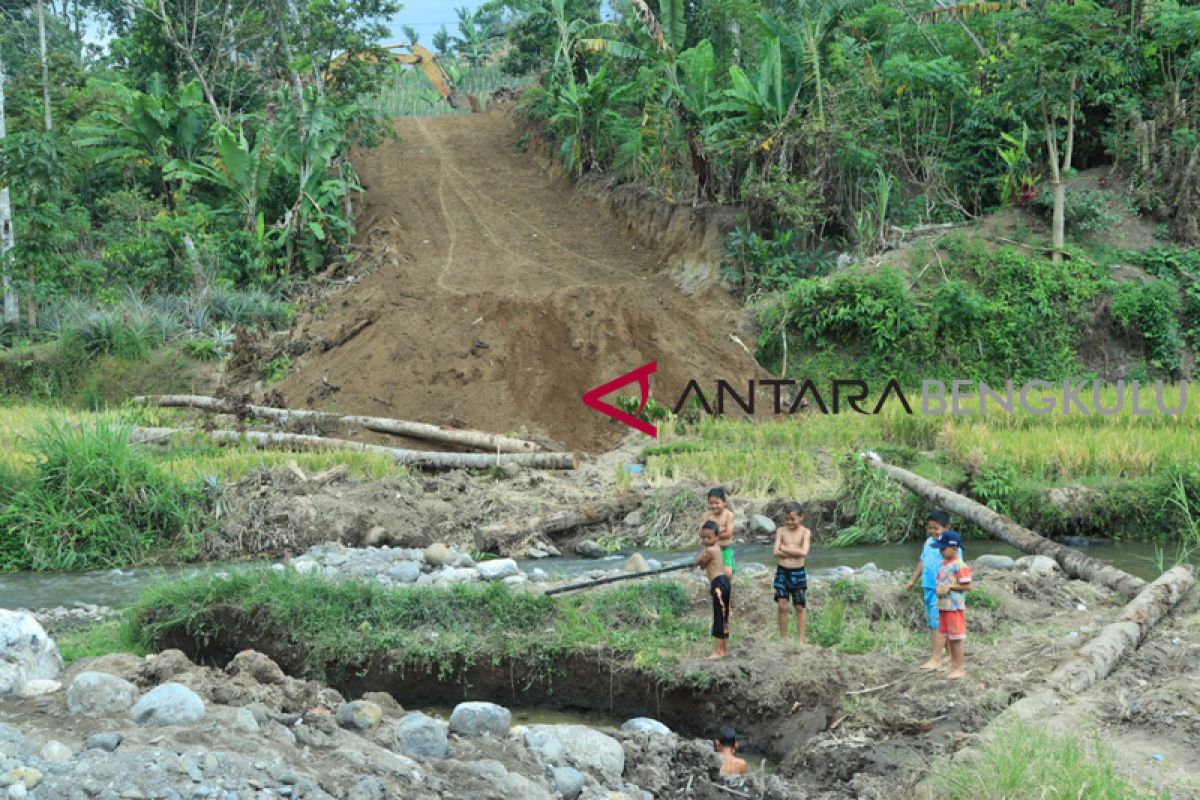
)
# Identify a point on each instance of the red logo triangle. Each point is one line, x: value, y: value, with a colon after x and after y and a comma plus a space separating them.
x: 642, y: 374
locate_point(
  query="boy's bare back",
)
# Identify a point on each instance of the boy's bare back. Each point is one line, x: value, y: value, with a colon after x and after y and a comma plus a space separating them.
x: 789, y: 542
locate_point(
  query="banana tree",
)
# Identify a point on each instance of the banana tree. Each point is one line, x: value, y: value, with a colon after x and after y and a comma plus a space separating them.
x: 240, y: 168
x: 587, y: 118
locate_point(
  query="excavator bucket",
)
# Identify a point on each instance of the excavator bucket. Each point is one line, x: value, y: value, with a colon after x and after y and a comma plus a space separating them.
x: 462, y: 100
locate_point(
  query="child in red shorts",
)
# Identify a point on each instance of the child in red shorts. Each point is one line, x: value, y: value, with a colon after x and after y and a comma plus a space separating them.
x: 953, y: 582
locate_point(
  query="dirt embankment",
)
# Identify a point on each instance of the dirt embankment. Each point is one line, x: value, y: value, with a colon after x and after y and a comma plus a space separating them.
x: 495, y: 294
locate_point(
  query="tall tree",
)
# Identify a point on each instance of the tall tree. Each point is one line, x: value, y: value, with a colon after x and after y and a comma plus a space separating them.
x: 41, y: 16
x: 7, y: 238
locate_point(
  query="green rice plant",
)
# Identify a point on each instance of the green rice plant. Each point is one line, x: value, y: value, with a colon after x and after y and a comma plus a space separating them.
x: 95, y: 501
x: 1020, y: 761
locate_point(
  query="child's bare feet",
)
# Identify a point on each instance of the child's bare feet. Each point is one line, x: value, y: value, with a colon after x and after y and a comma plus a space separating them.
x: 714, y: 656
x: 931, y: 664
x: 955, y: 674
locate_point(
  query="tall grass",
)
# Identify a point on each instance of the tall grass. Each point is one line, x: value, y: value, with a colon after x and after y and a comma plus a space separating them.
x: 1022, y: 762
x: 94, y: 501
x: 410, y: 94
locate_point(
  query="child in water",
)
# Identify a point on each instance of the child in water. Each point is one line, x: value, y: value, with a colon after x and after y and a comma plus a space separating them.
x: 718, y: 586
x: 718, y: 512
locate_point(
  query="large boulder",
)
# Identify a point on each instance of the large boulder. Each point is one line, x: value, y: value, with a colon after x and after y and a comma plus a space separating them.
x: 581, y: 747
x: 994, y: 562
x: 450, y: 575
x: 98, y: 693
x: 478, y: 719
x: 761, y: 525
x: 422, y: 735
x: 567, y: 781
x: 168, y: 704
x: 1042, y: 564
x: 589, y: 549
x: 257, y: 666
x: 360, y: 715
x: 27, y: 653
x: 498, y: 569
x: 438, y: 555
x: 645, y: 725
x: 636, y: 563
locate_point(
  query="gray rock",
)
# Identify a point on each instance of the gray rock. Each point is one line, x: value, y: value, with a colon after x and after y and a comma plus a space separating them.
x: 1037, y: 564
x: 583, y: 748
x: 567, y: 781
x: 463, y: 560
x: 479, y: 719
x: 516, y: 580
x: 515, y: 784
x: 486, y: 768
x: 168, y: 704
x: 98, y: 693
x: 498, y: 569
x: 438, y: 555
x: 404, y: 572
x: 552, y: 550
x: 27, y: 653
x: 762, y: 525
x: 869, y: 567
x: 422, y: 735
x: 305, y: 565
x: 545, y: 745
x: 55, y: 750
x: 654, y: 563
x: 994, y: 562
x: 537, y: 576
x: 589, y: 549
x: 633, y: 519
x: 244, y: 720
x: 536, y: 553
x: 360, y: 715
x: 645, y: 725
x: 450, y: 575
x: 636, y: 563
x: 107, y: 741
x: 17, y: 791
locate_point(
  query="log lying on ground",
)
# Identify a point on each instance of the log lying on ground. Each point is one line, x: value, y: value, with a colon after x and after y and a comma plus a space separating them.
x: 476, y: 440
x: 615, y: 578
x: 420, y: 458
x: 499, y: 538
x: 1074, y: 562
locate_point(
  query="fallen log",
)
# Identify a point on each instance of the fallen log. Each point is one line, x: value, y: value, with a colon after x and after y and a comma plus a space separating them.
x: 420, y: 458
x: 477, y: 440
x: 614, y: 578
x: 498, y: 538
x: 1074, y: 562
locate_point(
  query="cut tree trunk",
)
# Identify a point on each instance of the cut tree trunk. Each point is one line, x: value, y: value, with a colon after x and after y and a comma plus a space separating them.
x: 1074, y: 563
x: 7, y: 239
x: 477, y: 440
x: 502, y: 538
x: 420, y: 458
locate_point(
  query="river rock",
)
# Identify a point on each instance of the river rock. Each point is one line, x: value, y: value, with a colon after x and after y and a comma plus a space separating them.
x: 55, y: 750
x: 536, y: 553
x: 568, y: 782
x: 582, y: 747
x: 514, y: 784
x: 360, y: 715
x: 305, y: 565
x: 645, y: 725
x: 168, y: 704
x: 450, y: 575
x: 636, y: 563
x: 17, y: 792
x: 438, y: 555
x: 108, y: 741
x: 762, y: 525
x: 498, y: 569
x: 405, y: 572
x: 1042, y: 564
x: 589, y: 549
x: 421, y: 735
x: 39, y: 687
x: 538, y: 575
x: 516, y: 580
x: 994, y: 561
x: 98, y: 693
x: 244, y: 720
x: 479, y: 719
x: 258, y: 666
x: 27, y: 653
x: 487, y: 768
x: 633, y: 519
x: 654, y: 563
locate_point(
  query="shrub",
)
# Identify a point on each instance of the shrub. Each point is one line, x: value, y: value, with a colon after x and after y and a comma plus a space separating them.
x: 1084, y: 210
x: 1151, y: 308
x: 96, y: 501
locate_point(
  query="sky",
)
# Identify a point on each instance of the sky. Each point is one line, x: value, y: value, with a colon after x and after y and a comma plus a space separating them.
x: 428, y: 15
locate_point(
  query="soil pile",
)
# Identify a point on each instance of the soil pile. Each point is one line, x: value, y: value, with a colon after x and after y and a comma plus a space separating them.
x: 497, y: 295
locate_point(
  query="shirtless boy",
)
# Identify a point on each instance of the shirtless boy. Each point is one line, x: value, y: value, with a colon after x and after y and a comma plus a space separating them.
x: 718, y: 512
x: 718, y: 586
x: 726, y: 744
x: 792, y: 541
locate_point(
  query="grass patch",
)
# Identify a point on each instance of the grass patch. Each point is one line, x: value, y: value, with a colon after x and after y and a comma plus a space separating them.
x: 1024, y: 762
x: 99, y: 639
x: 979, y: 597
x: 838, y: 620
x: 343, y: 624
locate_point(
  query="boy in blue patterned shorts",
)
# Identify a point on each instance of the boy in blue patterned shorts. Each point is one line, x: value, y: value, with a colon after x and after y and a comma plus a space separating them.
x: 791, y: 580
x: 937, y: 523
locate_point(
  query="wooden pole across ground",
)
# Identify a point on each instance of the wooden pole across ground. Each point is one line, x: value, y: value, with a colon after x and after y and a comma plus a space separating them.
x: 1074, y: 562
x: 614, y: 578
x: 476, y: 440
x: 419, y: 458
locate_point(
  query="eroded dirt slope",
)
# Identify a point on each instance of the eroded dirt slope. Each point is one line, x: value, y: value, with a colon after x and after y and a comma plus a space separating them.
x: 497, y: 295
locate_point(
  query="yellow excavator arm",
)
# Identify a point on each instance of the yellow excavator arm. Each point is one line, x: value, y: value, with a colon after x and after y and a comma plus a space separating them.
x: 420, y: 56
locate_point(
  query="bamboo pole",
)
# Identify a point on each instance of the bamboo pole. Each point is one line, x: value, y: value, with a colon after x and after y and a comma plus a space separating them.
x: 477, y: 440
x: 421, y: 458
x: 1075, y: 563
x: 614, y: 578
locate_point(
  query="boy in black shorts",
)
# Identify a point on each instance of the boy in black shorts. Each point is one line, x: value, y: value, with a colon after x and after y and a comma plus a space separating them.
x: 792, y: 541
x: 710, y: 560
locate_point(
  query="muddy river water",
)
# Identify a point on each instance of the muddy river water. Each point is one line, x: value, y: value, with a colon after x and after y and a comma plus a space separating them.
x: 120, y: 587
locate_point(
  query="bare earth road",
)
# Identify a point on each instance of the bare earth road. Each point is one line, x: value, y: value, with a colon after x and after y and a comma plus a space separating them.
x: 498, y: 295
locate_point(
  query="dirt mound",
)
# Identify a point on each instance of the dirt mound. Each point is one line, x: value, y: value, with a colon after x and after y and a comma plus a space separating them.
x: 497, y: 295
